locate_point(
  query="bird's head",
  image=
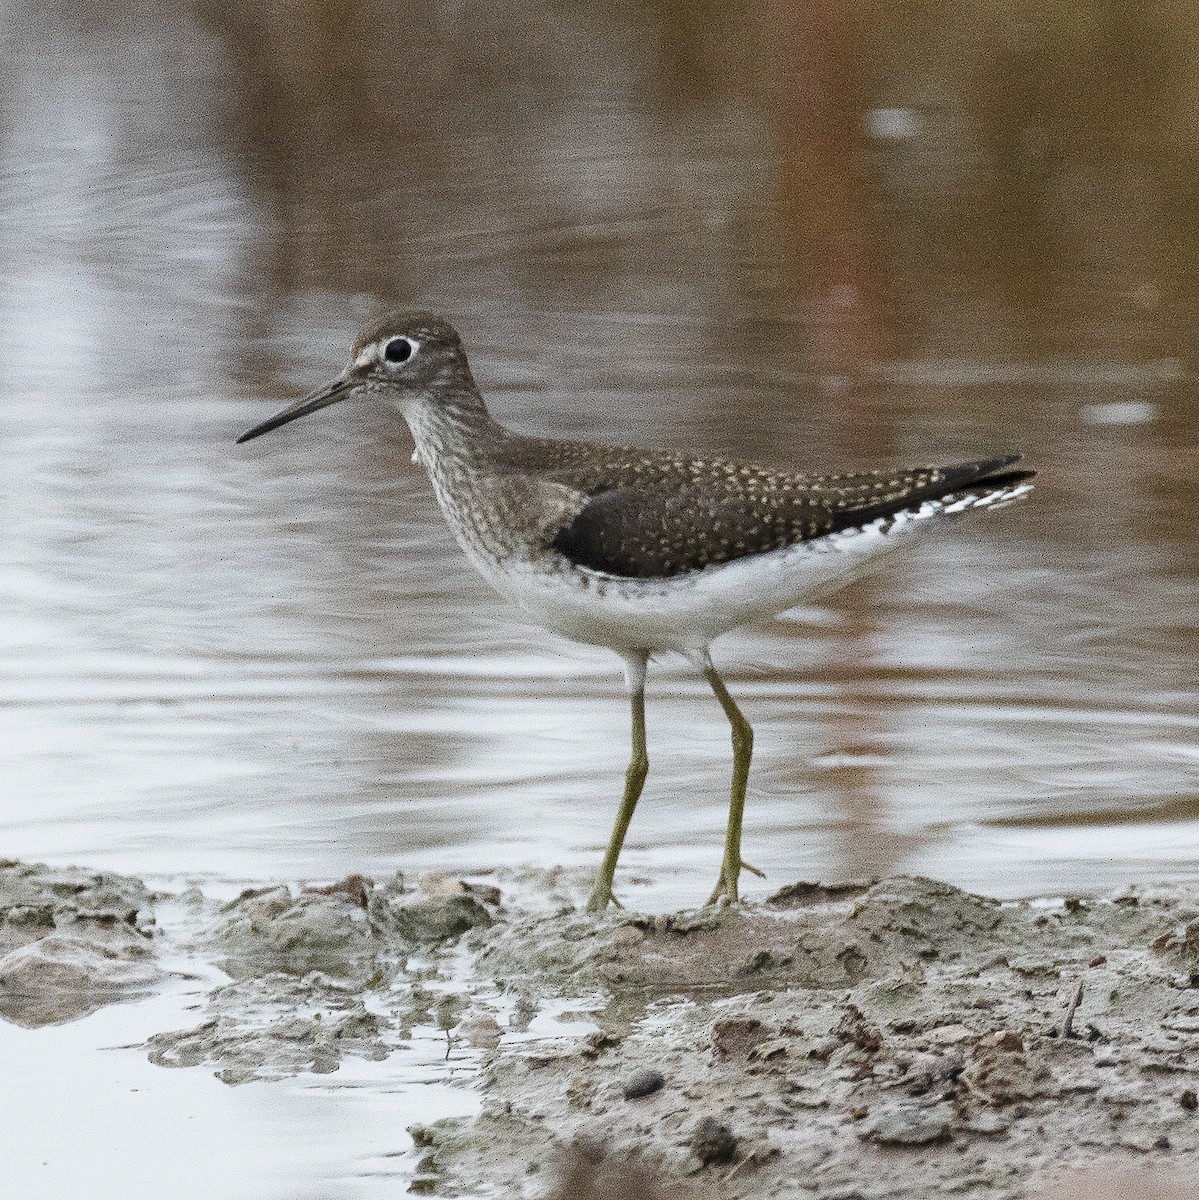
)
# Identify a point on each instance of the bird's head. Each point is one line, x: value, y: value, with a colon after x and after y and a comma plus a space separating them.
x: 406, y: 358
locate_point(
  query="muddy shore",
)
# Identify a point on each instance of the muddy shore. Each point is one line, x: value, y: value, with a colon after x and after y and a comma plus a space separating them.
x: 896, y: 1038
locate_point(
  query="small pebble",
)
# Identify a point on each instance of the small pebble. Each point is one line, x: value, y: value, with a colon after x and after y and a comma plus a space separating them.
x: 643, y: 1082
x: 713, y: 1142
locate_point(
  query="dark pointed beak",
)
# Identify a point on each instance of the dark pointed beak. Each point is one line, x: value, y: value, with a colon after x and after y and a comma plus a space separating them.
x: 321, y: 398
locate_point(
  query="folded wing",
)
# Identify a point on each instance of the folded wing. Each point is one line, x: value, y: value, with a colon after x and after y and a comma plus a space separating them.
x: 650, y: 528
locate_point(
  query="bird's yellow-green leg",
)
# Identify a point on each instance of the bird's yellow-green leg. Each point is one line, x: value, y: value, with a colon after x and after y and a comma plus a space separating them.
x: 634, y: 780
x: 725, y: 891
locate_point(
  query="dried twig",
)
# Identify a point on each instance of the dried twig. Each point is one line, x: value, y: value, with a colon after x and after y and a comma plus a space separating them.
x: 1068, y: 1023
x: 737, y: 1168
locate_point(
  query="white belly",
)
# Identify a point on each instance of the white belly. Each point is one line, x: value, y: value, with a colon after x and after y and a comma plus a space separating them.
x: 683, y: 614
x: 687, y: 612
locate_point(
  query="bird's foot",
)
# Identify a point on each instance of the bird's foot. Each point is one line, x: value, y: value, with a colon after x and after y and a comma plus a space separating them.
x: 725, y: 891
x: 601, y: 896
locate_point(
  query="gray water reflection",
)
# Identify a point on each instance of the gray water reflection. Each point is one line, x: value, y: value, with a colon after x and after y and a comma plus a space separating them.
x: 779, y: 233
x: 151, y: 1131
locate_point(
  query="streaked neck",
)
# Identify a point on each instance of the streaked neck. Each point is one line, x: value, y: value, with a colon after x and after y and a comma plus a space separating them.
x: 453, y: 428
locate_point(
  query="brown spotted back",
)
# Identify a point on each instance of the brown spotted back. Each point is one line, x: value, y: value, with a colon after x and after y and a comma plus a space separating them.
x: 652, y: 514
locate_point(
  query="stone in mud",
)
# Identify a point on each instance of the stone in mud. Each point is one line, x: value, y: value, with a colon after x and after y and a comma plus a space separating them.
x: 713, y: 1142
x: 645, y: 1081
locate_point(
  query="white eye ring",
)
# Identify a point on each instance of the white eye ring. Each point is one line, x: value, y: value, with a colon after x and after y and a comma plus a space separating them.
x: 398, y: 349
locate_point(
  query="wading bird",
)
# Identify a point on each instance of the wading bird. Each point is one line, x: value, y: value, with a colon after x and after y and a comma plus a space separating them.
x: 643, y: 551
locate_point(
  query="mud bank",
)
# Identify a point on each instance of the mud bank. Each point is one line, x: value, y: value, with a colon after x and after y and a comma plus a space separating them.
x: 893, y: 1039
x: 70, y: 941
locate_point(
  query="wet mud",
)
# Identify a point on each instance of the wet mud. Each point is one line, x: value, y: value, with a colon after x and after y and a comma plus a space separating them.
x: 71, y: 940
x: 895, y: 1038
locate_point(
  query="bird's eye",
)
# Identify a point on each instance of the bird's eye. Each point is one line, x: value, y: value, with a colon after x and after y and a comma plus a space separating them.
x: 398, y: 350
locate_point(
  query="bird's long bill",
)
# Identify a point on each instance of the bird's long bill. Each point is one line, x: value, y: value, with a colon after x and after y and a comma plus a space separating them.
x: 322, y: 397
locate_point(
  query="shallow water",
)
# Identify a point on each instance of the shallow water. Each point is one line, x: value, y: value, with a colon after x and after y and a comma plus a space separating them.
x: 775, y: 237
x: 150, y: 1130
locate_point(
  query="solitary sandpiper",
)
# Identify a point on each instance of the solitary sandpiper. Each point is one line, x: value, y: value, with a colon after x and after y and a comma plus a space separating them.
x: 643, y: 551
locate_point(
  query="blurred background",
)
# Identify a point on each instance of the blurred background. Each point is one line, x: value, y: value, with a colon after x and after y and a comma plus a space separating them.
x: 819, y: 235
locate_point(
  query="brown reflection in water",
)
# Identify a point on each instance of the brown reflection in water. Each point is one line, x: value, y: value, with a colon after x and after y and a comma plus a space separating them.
x: 601, y: 155
x: 1071, y: 108
x: 576, y: 150
x: 820, y: 50
x: 852, y: 741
